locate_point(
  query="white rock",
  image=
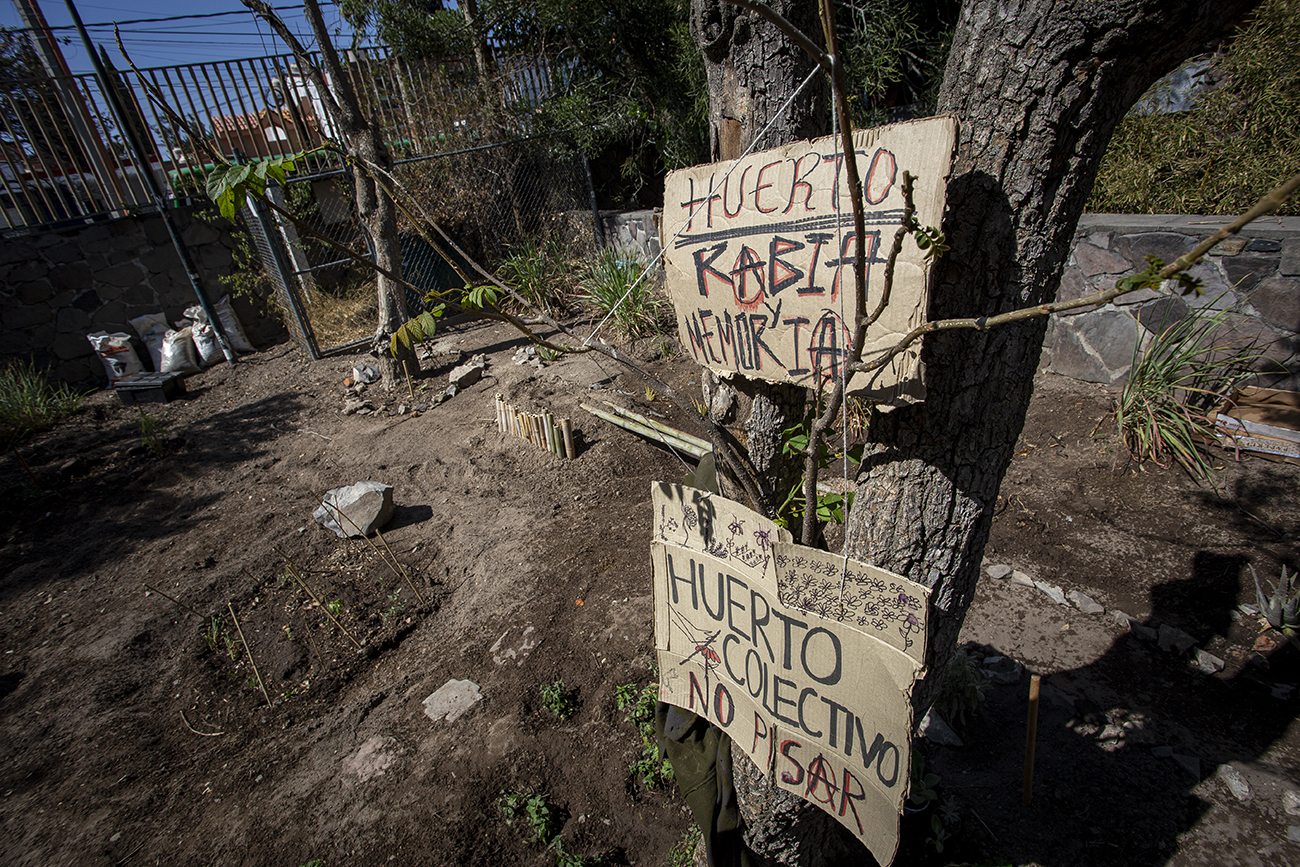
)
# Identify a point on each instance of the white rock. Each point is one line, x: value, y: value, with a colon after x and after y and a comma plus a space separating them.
x: 366, y: 506
x: 1207, y: 662
x: 1084, y: 602
x: 1293, y: 833
x: 1021, y: 578
x: 451, y: 700
x: 1291, y: 802
x: 999, y: 570
x: 934, y: 728
x: 468, y: 373
x: 1236, y: 783
x: 1121, y: 618
x: 1051, y: 591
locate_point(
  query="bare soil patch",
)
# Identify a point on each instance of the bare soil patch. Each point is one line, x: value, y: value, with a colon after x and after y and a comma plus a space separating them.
x: 132, y: 730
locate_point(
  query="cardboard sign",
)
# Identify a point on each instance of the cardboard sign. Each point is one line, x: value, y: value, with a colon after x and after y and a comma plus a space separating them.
x: 881, y: 604
x: 819, y: 703
x: 761, y: 275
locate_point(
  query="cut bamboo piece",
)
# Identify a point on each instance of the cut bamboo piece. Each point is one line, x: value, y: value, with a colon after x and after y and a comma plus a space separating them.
x: 647, y: 432
x: 566, y: 427
x: 661, y: 427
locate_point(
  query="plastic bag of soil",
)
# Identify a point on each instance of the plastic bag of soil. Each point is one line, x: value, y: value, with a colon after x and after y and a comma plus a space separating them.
x: 117, y: 354
x: 178, y: 352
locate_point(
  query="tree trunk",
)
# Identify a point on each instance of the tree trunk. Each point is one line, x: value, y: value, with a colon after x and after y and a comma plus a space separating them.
x: 1038, y: 87
x: 374, y: 206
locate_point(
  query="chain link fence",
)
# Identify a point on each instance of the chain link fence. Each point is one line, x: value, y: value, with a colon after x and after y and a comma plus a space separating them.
x: 506, y: 205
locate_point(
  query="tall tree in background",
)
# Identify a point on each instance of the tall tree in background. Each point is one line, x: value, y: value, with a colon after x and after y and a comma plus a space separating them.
x: 362, y: 140
x: 1038, y: 88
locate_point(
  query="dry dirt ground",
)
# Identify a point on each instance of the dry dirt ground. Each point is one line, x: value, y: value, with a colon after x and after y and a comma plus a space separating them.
x: 133, y: 730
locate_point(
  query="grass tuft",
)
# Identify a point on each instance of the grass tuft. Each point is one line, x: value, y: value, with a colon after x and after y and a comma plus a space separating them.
x: 612, y: 274
x: 30, y: 403
x: 1165, y: 411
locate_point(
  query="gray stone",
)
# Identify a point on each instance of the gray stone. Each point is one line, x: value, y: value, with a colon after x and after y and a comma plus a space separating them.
x: 1230, y: 247
x: 1246, y: 270
x: 16, y: 251
x: 1293, y: 833
x: 1146, y: 633
x: 1207, y: 662
x: 32, y: 269
x: 1165, y: 246
x: 1051, y: 591
x: 451, y: 700
x: 155, y: 232
x: 124, y: 276
x: 1002, y: 669
x: 353, y: 405
x: 1018, y: 577
x: 1236, y: 783
x: 1213, y: 282
x: 469, y: 373
x: 63, y: 254
x: 14, y: 343
x: 81, y: 370
x: 1121, y: 618
x: 24, y: 317
x: 70, y: 319
x: 112, y: 313
x: 159, y: 259
x: 365, y: 374
x: 1191, y: 764
x: 1072, y: 287
x: 934, y: 728
x: 1174, y: 639
x: 1099, y: 346
x: 1291, y: 802
x: 1247, y: 608
x: 71, y: 345
x: 1277, y: 300
x: 1162, y: 313
x: 1084, y: 602
x: 1094, y: 260
x: 215, y: 257
x: 1139, y: 296
x: 999, y: 570
x: 1263, y: 245
x: 365, y: 507
x: 197, y: 234
x: 1290, y: 264
x: 451, y: 392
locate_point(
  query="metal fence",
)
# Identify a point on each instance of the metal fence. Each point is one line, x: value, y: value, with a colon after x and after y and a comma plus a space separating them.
x: 497, y: 200
x: 63, y: 156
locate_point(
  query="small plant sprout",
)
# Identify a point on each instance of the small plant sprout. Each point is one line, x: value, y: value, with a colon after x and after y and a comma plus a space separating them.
x: 536, y: 811
x: 1282, y: 608
x: 558, y: 699
x: 638, y: 702
x: 334, y: 606
x: 151, y: 433
x: 650, y: 394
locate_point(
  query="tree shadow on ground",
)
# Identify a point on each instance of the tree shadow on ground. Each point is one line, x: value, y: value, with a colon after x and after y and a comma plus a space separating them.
x: 103, y: 492
x: 1127, y: 750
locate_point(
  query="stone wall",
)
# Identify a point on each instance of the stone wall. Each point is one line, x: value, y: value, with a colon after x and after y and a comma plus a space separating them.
x: 1256, y: 275
x: 632, y: 230
x: 57, y: 286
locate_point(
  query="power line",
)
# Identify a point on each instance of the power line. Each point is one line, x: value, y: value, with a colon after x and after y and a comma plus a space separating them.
x: 149, y: 20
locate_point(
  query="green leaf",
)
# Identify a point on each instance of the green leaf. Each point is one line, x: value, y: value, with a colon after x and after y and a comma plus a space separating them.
x: 427, y: 324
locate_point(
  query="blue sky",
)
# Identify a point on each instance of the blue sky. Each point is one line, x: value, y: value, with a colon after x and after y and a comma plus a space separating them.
x: 227, y: 37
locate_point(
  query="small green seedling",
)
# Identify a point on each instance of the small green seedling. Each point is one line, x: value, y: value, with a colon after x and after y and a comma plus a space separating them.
x: 536, y: 811
x: 558, y: 699
x: 334, y: 606
x: 638, y: 702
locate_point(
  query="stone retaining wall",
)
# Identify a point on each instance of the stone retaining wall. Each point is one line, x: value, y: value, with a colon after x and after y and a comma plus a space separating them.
x: 1256, y: 275
x: 58, y: 286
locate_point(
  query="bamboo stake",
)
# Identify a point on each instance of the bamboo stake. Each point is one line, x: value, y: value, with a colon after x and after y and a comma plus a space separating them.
x: 1031, y: 736
x: 249, y: 651
x: 410, y: 583
x: 306, y: 630
x: 661, y: 427
x: 369, y: 542
x: 549, y: 426
x: 148, y: 586
x: 298, y: 577
x: 648, y: 432
x: 566, y: 427
x: 32, y: 475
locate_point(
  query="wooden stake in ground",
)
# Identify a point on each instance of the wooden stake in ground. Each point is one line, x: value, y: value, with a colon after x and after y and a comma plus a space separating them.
x: 148, y: 586
x: 1031, y: 736
x: 249, y: 652
x: 298, y: 577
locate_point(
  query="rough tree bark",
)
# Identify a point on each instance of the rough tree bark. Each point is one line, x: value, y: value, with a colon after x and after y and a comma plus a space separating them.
x: 1038, y: 87
x: 364, y: 141
x: 752, y: 69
